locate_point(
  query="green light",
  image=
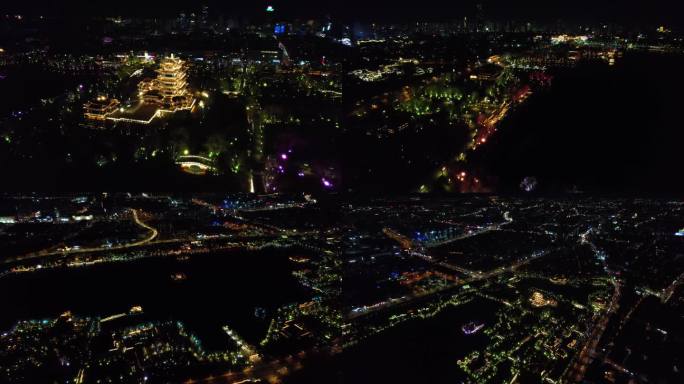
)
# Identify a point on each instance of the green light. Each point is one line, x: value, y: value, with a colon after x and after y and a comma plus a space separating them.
x: 270, y: 9
x: 186, y: 152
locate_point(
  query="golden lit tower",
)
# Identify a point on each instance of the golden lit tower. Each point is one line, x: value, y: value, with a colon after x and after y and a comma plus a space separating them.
x: 171, y: 78
x: 170, y: 88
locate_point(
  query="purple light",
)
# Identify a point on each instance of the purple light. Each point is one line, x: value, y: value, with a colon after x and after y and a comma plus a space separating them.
x: 326, y: 183
x: 283, y: 156
x: 471, y: 328
x: 300, y: 174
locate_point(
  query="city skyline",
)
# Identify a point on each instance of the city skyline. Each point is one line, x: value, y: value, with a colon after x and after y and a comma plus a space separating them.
x: 630, y: 13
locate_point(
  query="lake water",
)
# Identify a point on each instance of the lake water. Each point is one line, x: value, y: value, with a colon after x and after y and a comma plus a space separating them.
x: 598, y: 127
x: 220, y: 289
x: 418, y: 351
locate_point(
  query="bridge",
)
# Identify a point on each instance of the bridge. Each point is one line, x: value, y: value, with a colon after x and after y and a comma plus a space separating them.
x: 196, y: 165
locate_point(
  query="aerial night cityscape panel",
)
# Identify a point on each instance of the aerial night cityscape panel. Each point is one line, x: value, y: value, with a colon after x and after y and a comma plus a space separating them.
x: 351, y: 192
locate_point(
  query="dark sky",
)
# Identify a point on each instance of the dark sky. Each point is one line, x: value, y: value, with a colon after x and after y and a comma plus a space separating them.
x: 622, y: 11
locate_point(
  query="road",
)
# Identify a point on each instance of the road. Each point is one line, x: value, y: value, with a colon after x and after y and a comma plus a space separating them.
x: 272, y: 371
x: 586, y: 354
x: 476, y: 277
x: 151, y: 235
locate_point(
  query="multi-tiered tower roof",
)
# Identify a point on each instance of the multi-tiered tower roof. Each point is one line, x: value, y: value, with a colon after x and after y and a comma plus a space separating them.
x: 167, y: 93
x: 171, y: 78
x: 170, y: 89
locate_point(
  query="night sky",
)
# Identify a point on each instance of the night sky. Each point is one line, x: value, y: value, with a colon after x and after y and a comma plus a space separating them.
x: 638, y: 12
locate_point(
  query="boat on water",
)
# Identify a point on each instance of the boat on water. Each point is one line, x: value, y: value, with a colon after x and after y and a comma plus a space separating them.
x: 472, y: 328
x: 180, y: 276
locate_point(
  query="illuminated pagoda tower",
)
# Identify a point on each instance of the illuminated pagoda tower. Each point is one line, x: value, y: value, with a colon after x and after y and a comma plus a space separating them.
x: 170, y: 89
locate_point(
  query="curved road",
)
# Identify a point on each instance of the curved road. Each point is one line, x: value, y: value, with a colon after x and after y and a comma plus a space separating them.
x: 153, y: 233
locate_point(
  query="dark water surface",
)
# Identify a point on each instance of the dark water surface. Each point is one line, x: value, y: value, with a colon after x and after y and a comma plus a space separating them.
x: 220, y: 289
x: 598, y: 128
x: 418, y: 351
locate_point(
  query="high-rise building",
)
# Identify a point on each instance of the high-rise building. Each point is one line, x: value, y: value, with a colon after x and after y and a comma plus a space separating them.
x: 204, y: 16
x: 183, y: 23
x: 480, y: 24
